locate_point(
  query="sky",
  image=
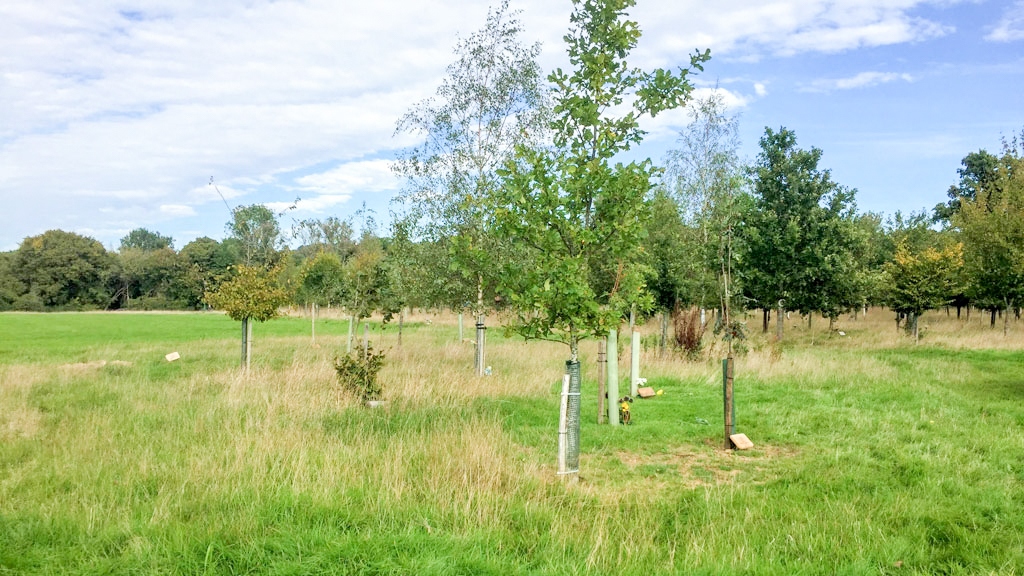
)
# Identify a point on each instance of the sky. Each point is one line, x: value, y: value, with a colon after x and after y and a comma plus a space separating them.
x: 116, y: 115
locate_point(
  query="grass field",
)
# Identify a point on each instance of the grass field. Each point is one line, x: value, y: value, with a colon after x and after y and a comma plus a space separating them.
x: 873, y: 455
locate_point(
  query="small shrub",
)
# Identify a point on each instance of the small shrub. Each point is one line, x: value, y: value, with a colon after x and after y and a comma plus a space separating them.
x: 357, y: 373
x: 688, y: 330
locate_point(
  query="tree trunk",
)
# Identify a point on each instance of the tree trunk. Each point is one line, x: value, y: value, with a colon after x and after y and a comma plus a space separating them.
x: 992, y: 320
x: 460, y: 325
x: 831, y: 324
x: 957, y: 312
x: 727, y: 397
x: 351, y: 333
x: 810, y: 320
x: 917, y: 333
x: 480, y: 338
x: 1006, y: 319
x: 613, y: 376
x: 481, y: 326
x: 245, y: 344
x: 312, y: 315
x: 899, y: 318
x: 765, y: 318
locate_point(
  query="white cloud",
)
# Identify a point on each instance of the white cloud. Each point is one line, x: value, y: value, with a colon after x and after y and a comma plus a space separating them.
x: 751, y: 29
x: 1011, y: 27
x: 145, y: 106
x: 861, y: 80
x: 177, y: 210
x: 759, y: 89
x: 317, y: 204
x: 369, y: 175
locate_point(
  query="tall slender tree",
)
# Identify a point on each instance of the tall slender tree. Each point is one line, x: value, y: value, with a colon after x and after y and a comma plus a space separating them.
x: 578, y: 213
x: 491, y: 100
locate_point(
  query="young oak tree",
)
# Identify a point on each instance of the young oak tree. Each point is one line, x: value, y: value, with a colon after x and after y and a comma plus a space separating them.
x: 578, y: 214
x: 253, y: 294
x: 492, y: 100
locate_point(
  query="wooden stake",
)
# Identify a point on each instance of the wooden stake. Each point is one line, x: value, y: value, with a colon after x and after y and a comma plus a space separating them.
x: 602, y: 368
x: 730, y: 413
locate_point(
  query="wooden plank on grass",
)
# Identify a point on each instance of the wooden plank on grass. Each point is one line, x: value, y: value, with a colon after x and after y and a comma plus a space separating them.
x: 741, y: 442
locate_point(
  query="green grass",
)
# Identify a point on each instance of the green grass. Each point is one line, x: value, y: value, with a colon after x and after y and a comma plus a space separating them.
x: 868, y: 459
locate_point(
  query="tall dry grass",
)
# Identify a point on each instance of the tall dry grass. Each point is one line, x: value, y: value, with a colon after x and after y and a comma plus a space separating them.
x: 158, y: 456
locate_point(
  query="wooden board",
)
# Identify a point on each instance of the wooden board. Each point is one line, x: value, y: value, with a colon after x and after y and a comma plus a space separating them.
x: 741, y: 442
x: 647, y: 392
x: 172, y: 356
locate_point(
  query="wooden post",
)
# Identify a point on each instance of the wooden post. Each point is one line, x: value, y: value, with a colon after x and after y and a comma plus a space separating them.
x: 312, y: 313
x: 664, y: 335
x: 351, y: 331
x: 480, y: 337
x: 778, y: 323
x: 401, y: 320
x: 730, y: 411
x: 245, y: 344
x: 634, y: 362
x: 613, y: 376
x: 460, y: 326
x: 602, y: 368
x: 366, y: 342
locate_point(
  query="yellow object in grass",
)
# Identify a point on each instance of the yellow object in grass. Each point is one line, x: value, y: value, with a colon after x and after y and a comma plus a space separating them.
x: 624, y: 406
x: 660, y: 392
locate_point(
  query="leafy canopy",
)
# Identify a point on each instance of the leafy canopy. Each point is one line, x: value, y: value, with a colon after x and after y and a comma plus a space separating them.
x: 577, y: 213
x: 254, y: 293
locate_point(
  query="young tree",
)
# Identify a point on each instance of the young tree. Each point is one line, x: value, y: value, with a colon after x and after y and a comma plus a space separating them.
x: 578, y: 214
x: 364, y: 279
x: 256, y: 228
x: 991, y: 225
x: 922, y: 281
x: 252, y: 294
x: 706, y: 179
x: 321, y: 281
x: 492, y: 100
x: 797, y: 249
